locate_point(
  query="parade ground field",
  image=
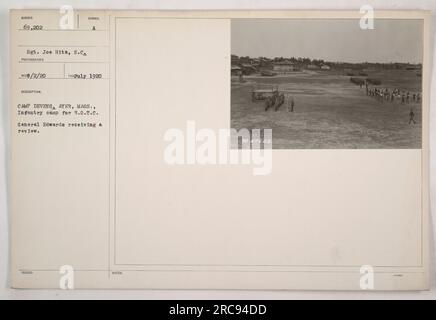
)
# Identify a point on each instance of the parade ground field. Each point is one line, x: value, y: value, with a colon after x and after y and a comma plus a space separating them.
x: 330, y: 111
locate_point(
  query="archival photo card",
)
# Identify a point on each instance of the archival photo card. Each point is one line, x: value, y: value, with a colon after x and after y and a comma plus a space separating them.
x: 122, y: 175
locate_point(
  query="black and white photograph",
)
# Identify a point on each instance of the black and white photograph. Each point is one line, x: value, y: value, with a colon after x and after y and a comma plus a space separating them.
x: 328, y: 83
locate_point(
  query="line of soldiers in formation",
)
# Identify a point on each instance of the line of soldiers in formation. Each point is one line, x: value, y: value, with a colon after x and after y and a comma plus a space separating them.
x: 277, y: 100
x: 384, y: 94
x: 381, y: 94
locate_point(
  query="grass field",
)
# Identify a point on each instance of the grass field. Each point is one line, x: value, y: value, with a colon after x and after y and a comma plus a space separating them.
x: 330, y: 112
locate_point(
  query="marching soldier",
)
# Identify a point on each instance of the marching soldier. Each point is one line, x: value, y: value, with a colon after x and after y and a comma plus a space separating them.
x: 267, y: 103
x: 291, y: 104
x: 411, y: 116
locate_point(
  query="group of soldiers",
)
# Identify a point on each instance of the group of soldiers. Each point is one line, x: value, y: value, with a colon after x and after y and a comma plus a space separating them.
x: 277, y: 100
x: 384, y: 94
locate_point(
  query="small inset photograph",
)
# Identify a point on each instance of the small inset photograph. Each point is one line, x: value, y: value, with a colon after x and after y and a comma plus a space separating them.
x: 328, y: 83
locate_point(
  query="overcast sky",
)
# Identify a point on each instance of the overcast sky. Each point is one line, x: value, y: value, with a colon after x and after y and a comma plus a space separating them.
x: 331, y: 40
